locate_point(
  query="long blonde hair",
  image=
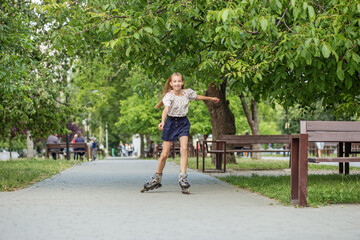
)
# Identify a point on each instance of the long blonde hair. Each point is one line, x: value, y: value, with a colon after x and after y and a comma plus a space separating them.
x: 168, y: 88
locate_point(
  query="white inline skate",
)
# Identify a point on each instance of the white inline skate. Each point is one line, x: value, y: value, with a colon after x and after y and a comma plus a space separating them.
x: 153, y: 183
x: 184, y: 184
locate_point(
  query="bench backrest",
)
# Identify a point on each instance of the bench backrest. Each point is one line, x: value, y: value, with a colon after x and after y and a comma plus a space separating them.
x: 63, y: 145
x: 331, y: 131
x: 255, y: 139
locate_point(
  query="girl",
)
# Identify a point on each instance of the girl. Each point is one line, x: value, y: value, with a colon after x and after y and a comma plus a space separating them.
x: 177, y: 126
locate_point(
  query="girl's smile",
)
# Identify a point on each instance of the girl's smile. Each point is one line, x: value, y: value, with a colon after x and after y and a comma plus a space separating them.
x: 177, y: 83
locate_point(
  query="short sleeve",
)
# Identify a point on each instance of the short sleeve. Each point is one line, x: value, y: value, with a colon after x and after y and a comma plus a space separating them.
x: 191, y: 94
x: 167, y: 100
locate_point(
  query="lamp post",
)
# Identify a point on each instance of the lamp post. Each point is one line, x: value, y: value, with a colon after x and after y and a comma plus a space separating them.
x: 87, y: 123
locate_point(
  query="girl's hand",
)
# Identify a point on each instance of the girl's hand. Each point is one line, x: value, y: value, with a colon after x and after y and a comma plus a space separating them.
x: 161, y: 126
x: 215, y: 100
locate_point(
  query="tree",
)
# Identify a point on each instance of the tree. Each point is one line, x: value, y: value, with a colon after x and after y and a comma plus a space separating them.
x: 294, y: 52
x: 33, y: 79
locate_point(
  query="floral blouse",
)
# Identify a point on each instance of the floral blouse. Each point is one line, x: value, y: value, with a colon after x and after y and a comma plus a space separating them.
x: 179, y: 105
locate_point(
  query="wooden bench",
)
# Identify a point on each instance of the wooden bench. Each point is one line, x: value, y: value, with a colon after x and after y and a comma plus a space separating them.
x: 343, y: 132
x: 220, y: 147
x: 60, y: 148
x: 175, y: 149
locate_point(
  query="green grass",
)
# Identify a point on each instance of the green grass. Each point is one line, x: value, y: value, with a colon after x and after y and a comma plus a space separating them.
x: 322, y: 189
x: 253, y: 164
x: 21, y: 173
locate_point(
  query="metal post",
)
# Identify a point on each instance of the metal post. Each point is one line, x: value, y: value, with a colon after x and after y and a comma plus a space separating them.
x: 107, y: 141
x: 67, y: 141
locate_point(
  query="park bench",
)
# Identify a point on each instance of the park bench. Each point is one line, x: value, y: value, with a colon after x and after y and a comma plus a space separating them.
x: 342, y: 132
x: 220, y: 147
x: 60, y: 148
x: 175, y: 149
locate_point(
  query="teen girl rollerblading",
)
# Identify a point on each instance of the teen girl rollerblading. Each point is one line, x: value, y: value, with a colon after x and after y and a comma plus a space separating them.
x: 176, y: 101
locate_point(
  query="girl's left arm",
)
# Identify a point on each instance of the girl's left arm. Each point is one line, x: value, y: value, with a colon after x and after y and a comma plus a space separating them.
x: 213, y: 99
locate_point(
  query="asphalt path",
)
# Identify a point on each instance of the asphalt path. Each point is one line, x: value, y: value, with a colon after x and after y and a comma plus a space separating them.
x: 102, y: 200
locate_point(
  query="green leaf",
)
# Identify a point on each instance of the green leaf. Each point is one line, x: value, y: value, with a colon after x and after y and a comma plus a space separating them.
x: 128, y: 50
x: 293, y: 3
x: 137, y: 35
x: 348, y: 83
x: 325, y: 51
x: 225, y: 14
x: 264, y: 24
x: 148, y: 29
x: 311, y: 13
x: 305, y: 5
x: 340, y: 73
x: 355, y: 57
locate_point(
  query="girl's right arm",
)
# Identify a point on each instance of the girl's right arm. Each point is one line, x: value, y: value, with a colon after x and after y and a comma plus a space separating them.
x: 163, y: 118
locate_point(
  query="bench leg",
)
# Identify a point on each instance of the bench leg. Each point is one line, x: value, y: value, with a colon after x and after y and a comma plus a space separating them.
x: 203, y: 156
x: 299, y: 170
x: 347, y: 154
x: 294, y: 171
x: 303, y: 170
x: 341, y: 154
x: 197, y: 155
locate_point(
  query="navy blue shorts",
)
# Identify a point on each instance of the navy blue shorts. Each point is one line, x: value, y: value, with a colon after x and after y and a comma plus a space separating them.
x: 175, y: 127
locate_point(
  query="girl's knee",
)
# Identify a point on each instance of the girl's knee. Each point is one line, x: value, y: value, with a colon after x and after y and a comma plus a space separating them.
x: 164, y: 156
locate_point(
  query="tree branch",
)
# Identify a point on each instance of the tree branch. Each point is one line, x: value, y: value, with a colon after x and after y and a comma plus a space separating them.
x: 242, y: 25
x: 106, y: 19
x: 282, y: 17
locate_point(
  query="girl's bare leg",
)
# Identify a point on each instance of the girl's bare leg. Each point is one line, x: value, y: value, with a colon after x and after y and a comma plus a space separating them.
x: 184, y: 153
x: 164, y: 155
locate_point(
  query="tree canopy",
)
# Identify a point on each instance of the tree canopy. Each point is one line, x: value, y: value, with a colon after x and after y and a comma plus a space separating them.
x: 33, y: 78
x: 291, y: 51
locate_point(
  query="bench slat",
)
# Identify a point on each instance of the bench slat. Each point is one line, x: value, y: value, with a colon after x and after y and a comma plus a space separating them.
x: 255, y: 139
x: 235, y: 151
x: 329, y: 126
x: 333, y: 137
x: 334, y: 159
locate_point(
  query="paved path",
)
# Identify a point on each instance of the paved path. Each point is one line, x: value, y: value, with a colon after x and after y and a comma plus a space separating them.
x: 102, y: 200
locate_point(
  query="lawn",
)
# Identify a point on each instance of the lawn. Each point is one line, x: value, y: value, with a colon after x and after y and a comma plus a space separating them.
x: 322, y: 189
x: 21, y: 173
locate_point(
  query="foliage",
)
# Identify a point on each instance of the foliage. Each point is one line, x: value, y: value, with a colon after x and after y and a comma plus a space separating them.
x: 294, y: 114
x: 138, y: 115
x: 32, y: 76
x: 291, y: 51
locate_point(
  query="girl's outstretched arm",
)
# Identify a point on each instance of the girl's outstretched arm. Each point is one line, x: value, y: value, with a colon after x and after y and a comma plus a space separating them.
x: 213, y: 99
x: 163, y: 118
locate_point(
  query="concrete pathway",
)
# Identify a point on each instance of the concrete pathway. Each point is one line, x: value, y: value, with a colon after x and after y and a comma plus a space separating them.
x: 102, y: 200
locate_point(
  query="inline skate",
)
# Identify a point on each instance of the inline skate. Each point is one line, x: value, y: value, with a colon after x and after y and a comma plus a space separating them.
x: 153, y: 183
x: 184, y: 184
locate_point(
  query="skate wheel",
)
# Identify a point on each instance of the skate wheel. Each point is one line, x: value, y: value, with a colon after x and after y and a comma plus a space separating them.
x: 186, y: 191
x: 142, y: 190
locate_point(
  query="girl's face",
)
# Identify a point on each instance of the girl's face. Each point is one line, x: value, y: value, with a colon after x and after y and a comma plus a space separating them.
x: 176, y: 82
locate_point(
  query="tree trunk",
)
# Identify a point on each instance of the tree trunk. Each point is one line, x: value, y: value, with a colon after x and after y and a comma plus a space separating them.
x: 30, y: 146
x: 222, y: 119
x: 253, y: 122
x: 10, y: 147
x: 142, y: 155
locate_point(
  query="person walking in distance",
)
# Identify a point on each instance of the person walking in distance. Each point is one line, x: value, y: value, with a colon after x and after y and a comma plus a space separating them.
x: 176, y: 101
